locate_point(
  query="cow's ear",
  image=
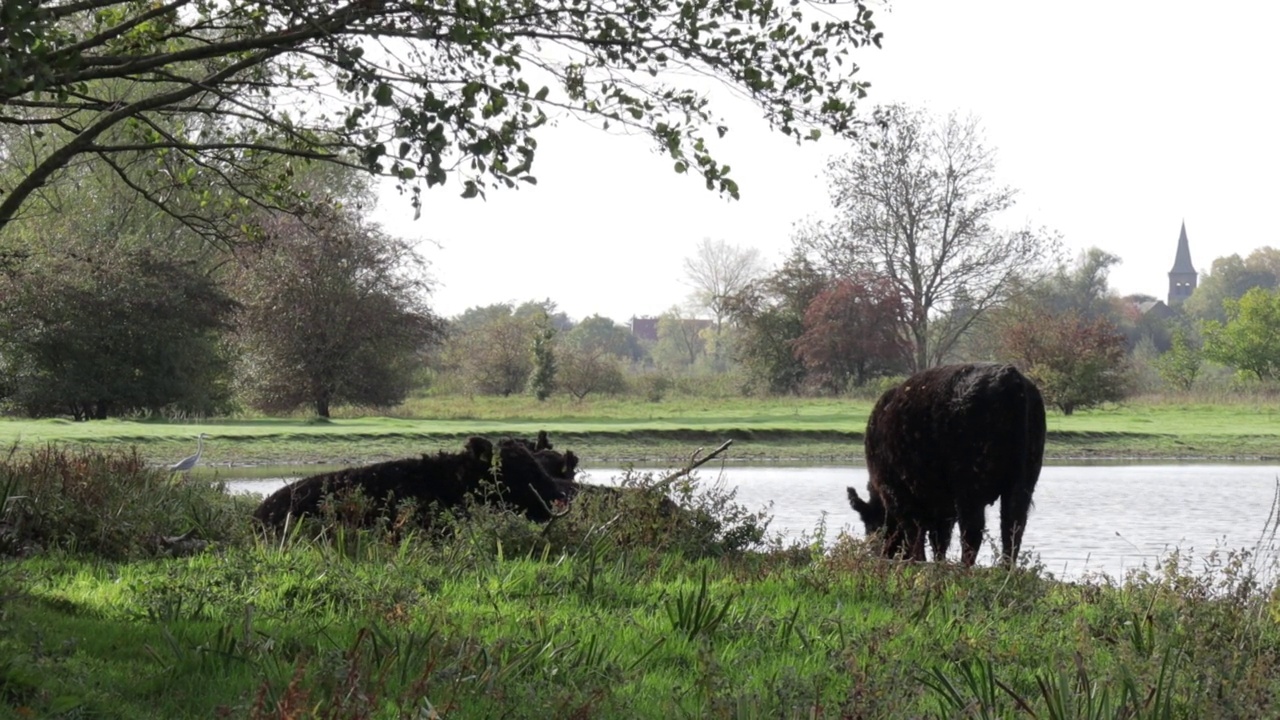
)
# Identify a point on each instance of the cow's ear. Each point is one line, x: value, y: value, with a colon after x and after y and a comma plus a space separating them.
x: 570, y: 463
x: 543, y: 443
x: 480, y: 448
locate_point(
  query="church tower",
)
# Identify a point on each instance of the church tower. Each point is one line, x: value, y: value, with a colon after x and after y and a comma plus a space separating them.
x: 1182, y: 278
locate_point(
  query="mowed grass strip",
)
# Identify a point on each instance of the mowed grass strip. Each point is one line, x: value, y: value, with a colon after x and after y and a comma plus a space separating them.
x: 630, y: 430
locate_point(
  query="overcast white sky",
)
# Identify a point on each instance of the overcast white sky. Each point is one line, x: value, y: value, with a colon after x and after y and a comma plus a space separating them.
x: 1115, y: 120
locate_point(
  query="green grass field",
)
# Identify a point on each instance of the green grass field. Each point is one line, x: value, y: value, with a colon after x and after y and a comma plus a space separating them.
x: 620, y: 431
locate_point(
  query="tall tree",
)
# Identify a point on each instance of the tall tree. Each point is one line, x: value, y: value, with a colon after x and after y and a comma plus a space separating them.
x: 917, y: 202
x: 601, y: 332
x: 535, y: 309
x: 1264, y: 259
x: 334, y: 311
x: 110, y: 307
x: 490, y: 349
x: 542, y: 380
x: 416, y: 91
x: 592, y: 354
x: 1082, y: 286
x: 718, y: 271
x: 680, y: 341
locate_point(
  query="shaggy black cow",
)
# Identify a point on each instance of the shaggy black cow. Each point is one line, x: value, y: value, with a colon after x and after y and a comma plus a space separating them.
x: 515, y: 479
x: 941, y: 447
x: 561, y: 466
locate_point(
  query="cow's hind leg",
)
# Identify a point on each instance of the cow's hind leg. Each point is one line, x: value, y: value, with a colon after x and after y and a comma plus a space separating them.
x: 973, y: 521
x: 915, y: 541
x: 1014, y: 506
x: 917, y: 538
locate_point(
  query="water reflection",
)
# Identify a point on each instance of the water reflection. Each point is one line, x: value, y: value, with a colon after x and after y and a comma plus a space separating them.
x: 1096, y: 518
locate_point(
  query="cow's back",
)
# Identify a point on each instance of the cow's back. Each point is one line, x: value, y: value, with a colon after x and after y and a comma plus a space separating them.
x: 998, y: 426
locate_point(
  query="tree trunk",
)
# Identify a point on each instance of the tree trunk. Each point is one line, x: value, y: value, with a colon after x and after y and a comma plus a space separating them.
x: 920, y: 331
x: 322, y: 407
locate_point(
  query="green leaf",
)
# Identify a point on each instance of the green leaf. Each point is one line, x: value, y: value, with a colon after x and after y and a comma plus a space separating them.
x: 383, y: 94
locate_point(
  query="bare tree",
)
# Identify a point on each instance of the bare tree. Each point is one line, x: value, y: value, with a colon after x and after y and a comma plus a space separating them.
x: 917, y: 202
x: 719, y: 271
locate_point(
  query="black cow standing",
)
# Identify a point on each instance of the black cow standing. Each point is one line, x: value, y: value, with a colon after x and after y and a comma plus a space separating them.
x: 941, y: 447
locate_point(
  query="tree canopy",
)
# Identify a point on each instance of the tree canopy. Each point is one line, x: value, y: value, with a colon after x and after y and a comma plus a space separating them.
x: 1249, y: 340
x: 1230, y: 278
x: 98, y: 335
x: 850, y: 333
x: 333, y: 311
x: 191, y: 93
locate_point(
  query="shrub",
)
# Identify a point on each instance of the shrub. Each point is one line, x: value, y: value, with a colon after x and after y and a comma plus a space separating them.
x: 108, y: 503
x: 647, y: 511
x: 652, y: 386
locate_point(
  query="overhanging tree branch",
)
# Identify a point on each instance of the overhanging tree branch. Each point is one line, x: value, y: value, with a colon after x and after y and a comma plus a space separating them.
x: 415, y: 91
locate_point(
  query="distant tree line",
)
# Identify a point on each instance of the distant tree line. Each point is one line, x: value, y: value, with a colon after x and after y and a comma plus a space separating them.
x: 110, y: 306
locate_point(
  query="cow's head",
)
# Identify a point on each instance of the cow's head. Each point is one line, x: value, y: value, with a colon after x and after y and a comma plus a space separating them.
x: 870, y: 510
x: 480, y: 449
x: 525, y: 483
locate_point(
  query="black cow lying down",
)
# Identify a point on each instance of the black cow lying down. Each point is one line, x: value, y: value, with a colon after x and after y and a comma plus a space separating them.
x: 516, y: 480
x: 941, y: 447
x: 563, y: 468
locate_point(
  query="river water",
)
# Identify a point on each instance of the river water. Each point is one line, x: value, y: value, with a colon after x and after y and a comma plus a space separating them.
x: 1095, y: 519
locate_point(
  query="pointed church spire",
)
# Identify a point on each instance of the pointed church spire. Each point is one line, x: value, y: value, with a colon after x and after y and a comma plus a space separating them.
x: 1182, y: 278
x: 1182, y: 261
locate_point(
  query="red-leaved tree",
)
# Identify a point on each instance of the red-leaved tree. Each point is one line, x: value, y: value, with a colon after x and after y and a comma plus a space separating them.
x: 851, y: 332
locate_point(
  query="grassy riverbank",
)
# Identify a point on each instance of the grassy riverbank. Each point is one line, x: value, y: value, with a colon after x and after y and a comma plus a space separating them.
x: 396, y: 631
x: 614, y: 611
x: 618, y: 431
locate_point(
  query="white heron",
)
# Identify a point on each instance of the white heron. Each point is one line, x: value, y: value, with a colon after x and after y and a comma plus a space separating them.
x: 184, y: 465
